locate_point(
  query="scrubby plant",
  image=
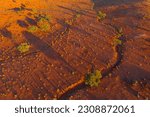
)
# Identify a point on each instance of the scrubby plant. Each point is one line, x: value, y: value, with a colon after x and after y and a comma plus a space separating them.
x: 78, y: 15
x: 120, y: 32
x: 101, y: 15
x: 117, y: 41
x: 44, y: 17
x: 69, y: 22
x: 93, y: 78
x: 44, y: 24
x: 23, y: 47
x: 32, y: 28
x: 45, y: 27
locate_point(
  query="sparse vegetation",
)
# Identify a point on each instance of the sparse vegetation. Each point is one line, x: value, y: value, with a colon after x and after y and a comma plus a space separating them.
x: 71, y: 21
x: 23, y: 47
x: 74, y: 49
x: 78, y: 15
x: 44, y: 24
x: 117, y: 41
x: 43, y: 17
x: 120, y: 32
x: 93, y: 78
x: 101, y: 15
x: 44, y: 27
x: 32, y: 28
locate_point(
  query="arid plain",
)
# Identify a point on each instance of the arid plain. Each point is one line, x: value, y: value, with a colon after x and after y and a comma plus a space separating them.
x: 47, y: 47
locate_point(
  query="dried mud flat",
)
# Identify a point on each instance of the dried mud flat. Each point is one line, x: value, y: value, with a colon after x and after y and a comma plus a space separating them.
x: 69, y: 43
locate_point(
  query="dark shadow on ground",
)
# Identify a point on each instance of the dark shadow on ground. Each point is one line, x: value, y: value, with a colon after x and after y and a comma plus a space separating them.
x: 31, y: 21
x: 107, y: 3
x: 21, y: 8
x: 22, y: 23
x: 63, y: 24
x: 131, y: 11
x: 72, y: 10
x: 41, y: 45
x: 131, y: 73
x: 4, y: 32
x: 45, y: 48
x: 81, y: 12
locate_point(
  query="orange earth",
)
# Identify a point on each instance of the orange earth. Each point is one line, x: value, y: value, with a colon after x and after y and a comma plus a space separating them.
x: 66, y: 40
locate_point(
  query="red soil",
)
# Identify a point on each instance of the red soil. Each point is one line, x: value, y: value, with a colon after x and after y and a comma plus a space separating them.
x: 59, y: 58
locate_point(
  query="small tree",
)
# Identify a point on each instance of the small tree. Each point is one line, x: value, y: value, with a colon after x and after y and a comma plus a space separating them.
x: 23, y: 47
x: 93, y: 78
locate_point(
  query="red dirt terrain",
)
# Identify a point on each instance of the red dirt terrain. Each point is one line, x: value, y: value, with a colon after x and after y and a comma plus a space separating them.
x: 66, y: 40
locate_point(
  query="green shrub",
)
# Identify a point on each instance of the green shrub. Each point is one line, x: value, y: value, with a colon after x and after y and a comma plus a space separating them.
x: 23, y: 47
x: 32, y: 28
x: 44, y: 23
x: 117, y: 39
x: 93, y: 78
x: 101, y: 15
x: 44, y: 18
x: 69, y: 22
x: 45, y: 27
x: 78, y: 15
x: 117, y: 42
